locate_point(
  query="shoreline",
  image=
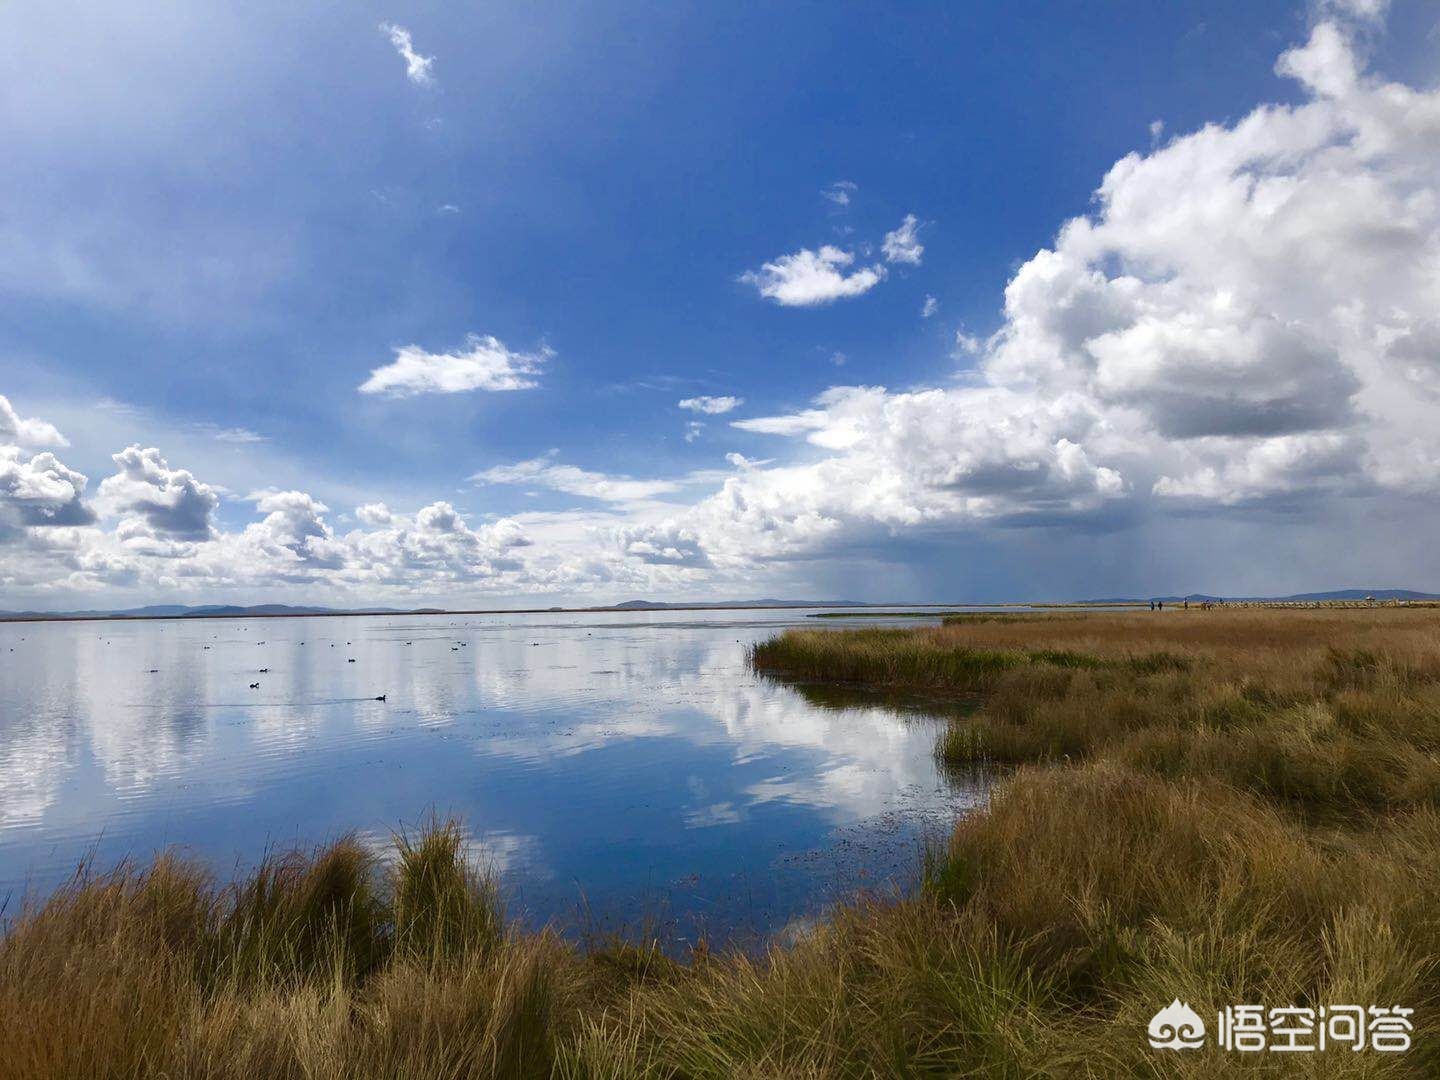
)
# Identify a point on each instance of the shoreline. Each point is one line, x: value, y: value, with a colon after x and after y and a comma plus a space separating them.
x: 830, y: 611
x: 434, y: 612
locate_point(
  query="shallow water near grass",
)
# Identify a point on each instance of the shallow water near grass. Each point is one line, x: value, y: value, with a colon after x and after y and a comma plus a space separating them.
x: 620, y: 771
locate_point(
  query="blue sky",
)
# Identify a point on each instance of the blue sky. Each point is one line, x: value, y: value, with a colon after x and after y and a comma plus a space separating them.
x: 219, y: 220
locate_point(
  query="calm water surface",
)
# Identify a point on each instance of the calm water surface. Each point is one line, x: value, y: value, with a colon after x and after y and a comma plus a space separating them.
x: 613, y: 767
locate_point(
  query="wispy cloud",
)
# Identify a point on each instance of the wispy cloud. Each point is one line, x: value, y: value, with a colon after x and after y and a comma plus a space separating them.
x: 930, y: 307
x: 546, y: 472
x: 1363, y: 10
x: 902, y: 244
x: 238, y: 435
x: 840, y: 192
x: 966, y: 344
x: 794, y: 424
x: 485, y: 364
x: 417, y: 67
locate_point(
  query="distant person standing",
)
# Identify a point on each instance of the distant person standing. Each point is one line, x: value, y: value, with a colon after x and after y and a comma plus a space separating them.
x: 1152, y: 605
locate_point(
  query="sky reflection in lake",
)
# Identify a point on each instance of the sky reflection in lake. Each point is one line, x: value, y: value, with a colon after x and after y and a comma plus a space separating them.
x: 612, y: 767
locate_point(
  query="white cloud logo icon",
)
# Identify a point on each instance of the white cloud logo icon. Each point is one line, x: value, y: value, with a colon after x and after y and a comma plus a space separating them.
x: 1177, y: 1027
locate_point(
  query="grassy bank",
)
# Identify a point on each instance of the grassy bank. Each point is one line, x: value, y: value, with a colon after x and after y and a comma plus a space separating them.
x: 1224, y: 807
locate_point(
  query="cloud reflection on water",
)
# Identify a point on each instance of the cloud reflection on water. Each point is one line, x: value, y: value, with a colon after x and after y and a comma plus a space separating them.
x: 582, y: 755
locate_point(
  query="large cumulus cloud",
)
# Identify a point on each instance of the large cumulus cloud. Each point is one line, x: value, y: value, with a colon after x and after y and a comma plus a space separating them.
x: 158, y: 501
x: 1246, y: 320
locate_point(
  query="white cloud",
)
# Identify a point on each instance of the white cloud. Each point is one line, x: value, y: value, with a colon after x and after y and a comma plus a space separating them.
x: 16, y: 429
x: 902, y: 244
x: 967, y: 344
x: 711, y: 406
x: 417, y: 67
x: 666, y: 544
x: 840, y: 192
x: 1362, y: 10
x: 796, y: 424
x: 293, y: 535
x: 693, y: 430
x: 740, y: 461
x: 164, y: 503
x: 485, y: 364
x: 1222, y: 371
x: 40, y: 492
x: 374, y: 514
x: 1281, y: 468
x: 930, y: 307
x: 808, y: 278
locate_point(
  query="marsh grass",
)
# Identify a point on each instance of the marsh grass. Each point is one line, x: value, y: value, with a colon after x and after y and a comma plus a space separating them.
x: 1232, y: 807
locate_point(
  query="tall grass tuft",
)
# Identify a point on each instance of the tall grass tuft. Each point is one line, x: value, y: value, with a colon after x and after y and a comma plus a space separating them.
x: 301, y: 917
x: 442, y: 907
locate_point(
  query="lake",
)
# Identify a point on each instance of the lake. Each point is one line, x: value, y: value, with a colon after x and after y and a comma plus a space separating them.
x: 615, y: 768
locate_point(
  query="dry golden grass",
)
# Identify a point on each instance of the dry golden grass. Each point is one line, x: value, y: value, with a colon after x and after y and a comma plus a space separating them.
x: 1229, y: 807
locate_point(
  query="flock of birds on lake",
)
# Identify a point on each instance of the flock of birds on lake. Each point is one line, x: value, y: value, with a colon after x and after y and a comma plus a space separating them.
x: 265, y: 670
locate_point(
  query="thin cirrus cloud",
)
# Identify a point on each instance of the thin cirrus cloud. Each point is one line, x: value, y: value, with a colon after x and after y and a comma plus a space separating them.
x: 711, y: 406
x: 484, y: 363
x: 239, y: 435
x: 546, y: 472
x: 417, y: 67
x: 810, y: 278
x: 794, y: 424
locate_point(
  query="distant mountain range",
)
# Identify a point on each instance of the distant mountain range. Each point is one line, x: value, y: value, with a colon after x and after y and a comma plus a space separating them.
x: 180, y: 611
x: 237, y: 611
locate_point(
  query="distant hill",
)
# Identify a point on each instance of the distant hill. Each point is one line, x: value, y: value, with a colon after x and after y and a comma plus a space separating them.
x: 183, y: 611
x: 1361, y: 594
x: 1296, y: 598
